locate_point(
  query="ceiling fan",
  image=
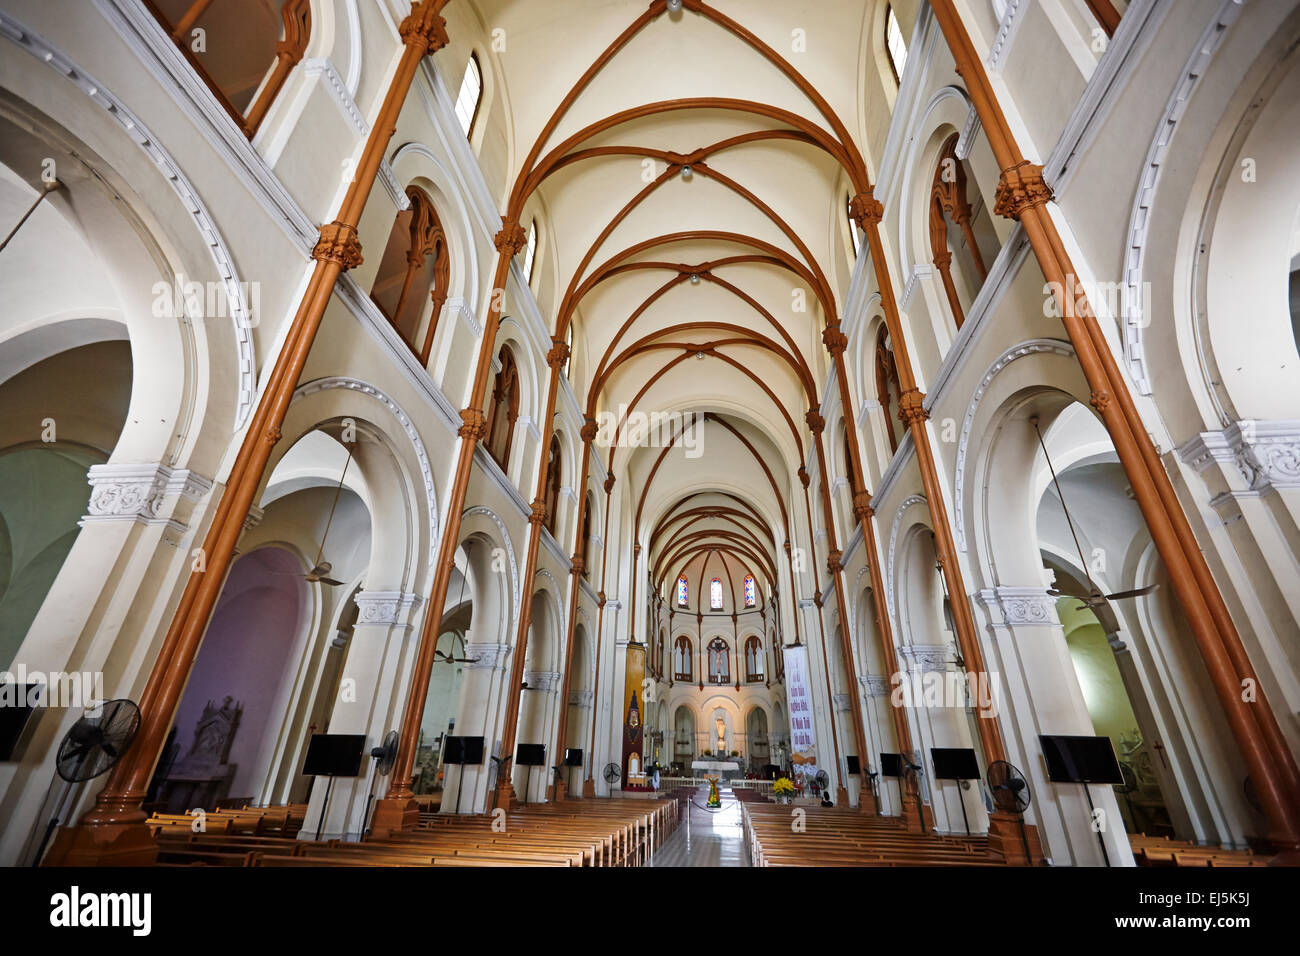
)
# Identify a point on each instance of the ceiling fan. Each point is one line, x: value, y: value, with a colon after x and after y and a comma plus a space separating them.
x: 320, y: 570
x: 1094, y: 600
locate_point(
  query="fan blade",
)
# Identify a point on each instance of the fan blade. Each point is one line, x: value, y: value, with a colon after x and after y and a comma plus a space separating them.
x: 1135, y: 592
x: 330, y: 581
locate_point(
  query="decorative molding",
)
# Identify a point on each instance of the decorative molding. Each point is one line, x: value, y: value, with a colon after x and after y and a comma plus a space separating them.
x: 486, y: 656
x: 1166, y: 129
x: 47, y: 53
x: 969, y: 130
x: 543, y: 681
x: 874, y: 685
x: 1011, y: 17
x: 841, y: 702
x: 920, y: 270
x: 908, y: 502
x: 510, y: 553
x: 137, y: 492
x: 323, y: 70
x: 581, y: 698
x: 1030, y: 347
x: 254, y: 517
x: 926, y: 658
x: 412, y: 434
x: 1263, y: 455
x: 1020, y: 606
x: 386, y: 607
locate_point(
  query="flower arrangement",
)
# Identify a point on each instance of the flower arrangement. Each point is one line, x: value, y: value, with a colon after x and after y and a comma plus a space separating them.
x: 783, y: 787
x: 708, y: 753
x: 735, y: 753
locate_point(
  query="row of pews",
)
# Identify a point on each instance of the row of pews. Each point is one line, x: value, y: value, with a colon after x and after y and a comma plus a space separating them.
x: 836, y: 836
x: 1162, y: 851
x: 614, y: 832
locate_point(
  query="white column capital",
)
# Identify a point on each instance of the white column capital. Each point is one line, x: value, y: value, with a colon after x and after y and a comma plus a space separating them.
x: 1020, y: 606
x: 386, y: 607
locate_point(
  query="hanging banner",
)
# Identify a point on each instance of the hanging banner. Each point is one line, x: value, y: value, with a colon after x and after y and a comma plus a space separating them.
x: 803, y: 738
x: 633, y: 709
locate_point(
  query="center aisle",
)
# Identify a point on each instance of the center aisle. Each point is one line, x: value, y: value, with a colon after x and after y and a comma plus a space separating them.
x: 706, y: 837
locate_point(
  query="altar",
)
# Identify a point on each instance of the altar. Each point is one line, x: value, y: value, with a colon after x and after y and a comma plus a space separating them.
x: 722, y: 768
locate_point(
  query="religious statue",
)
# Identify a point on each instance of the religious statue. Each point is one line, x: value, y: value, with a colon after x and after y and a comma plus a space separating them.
x: 215, y: 732
x: 714, y: 802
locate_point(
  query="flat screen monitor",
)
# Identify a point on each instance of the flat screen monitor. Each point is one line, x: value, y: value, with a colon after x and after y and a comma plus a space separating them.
x: 334, y: 755
x: 891, y: 765
x: 453, y: 750
x: 954, y: 763
x: 852, y: 767
x: 17, y: 704
x: 530, y: 755
x: 1080, y: 759
x: 472, y: 754
x: 573, y: 757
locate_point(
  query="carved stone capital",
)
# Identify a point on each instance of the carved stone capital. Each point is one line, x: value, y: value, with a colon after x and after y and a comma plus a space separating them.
x: 1020, y: 187
x: 474, y: 424
x: 486, y: 656
x: 874, y: 685
x: 866, y: 210
x: 139, y: 492
x: 862, y: 509
x: 511, y: 238
x: 558, y: 355
x: 537, y: 514
x: 423, y: 28
x: 385, y: 607
x: 815, y: 421
x: 1020, y: 606
x: 338, y: 243
x: 911, y: 407
x: 589, y: 430
x: 576, y: 564
x: 834, y: 339
x: 833, y: 562
x: 543, y: 681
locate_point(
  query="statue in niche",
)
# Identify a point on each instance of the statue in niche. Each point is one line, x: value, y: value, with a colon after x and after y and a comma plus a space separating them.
x: 215, y: 732
x: 721, y: 726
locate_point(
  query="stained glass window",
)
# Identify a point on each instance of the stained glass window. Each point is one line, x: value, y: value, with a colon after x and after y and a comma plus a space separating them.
x: 715, y: 594
x: 751, y: 598
x: 682, y: 594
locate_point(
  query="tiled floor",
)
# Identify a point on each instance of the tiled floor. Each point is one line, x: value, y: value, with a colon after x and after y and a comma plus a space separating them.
x: 706, y: 838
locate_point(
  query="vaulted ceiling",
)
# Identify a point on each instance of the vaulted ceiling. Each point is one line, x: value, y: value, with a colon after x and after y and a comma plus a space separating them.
x: 692, y: 170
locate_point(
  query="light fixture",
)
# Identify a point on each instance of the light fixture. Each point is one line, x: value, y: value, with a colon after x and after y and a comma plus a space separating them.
x: 687, y: 173
x: 674, y: 6
x: 700, y: 356
x: 695, y: 278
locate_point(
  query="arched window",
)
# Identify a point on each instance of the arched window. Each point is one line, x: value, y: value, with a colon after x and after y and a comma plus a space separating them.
x: 505, y: 409
x: 587, y: 522
x: 719, y: 661
x: 530, y: 252
x: 553, y: 475
x: 230, y: 45
x: 953, y: 227
x: 715, y: 594
x: 895, y: 45
x: 887, y: 389
x: 683, y: 592
x: 683, y: 655
x: 414, y: 262
x: 753, y: 658
x: 751, y: 592
x: 470, y: 95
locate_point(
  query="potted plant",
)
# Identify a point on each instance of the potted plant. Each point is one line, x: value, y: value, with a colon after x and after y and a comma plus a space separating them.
x: 707, y: 753
x: 735, y: 753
